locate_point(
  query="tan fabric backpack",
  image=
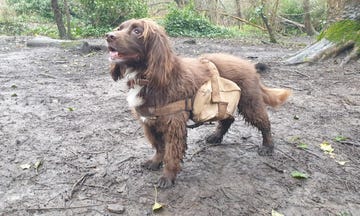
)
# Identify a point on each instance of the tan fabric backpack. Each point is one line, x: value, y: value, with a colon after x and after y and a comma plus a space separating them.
x: 217, y: 99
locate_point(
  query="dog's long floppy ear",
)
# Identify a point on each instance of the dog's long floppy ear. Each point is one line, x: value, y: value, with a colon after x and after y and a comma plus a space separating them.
x: 160, y: 60
x: 117, y: 71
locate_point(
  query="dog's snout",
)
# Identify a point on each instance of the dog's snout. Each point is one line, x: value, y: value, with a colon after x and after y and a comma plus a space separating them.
x: 110, y: 36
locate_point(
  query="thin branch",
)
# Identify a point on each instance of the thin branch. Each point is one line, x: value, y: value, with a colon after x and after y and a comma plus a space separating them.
x: 287, y: 155
x: 350, y: 143
x: 60, y: 208
x: 237, y: 18
x: 274, y: 168
x: 310, y: 152
x: 80, y: 181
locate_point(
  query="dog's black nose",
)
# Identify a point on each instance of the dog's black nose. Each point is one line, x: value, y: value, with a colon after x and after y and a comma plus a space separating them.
x: 110, y: 36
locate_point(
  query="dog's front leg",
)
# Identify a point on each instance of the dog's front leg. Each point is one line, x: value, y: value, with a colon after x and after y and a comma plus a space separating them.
x: 157, y: 141
x: 175, y: 146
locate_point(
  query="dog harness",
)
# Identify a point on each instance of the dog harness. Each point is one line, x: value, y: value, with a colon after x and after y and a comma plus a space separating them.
x: 210, y: 107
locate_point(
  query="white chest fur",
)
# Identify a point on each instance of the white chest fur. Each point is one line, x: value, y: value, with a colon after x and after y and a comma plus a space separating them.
x: 133, y: 97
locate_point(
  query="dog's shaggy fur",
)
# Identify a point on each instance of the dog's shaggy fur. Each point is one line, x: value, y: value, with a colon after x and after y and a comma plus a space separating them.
x: 140, y: 50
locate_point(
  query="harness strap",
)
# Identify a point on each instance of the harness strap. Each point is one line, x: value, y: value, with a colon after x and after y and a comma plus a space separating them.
x: 215, y: 94
x: 168, y: 109
x: 185, y: 104
x: 140, y: 82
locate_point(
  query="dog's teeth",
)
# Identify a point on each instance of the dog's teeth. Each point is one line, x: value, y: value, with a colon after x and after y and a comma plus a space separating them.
x: 114, y: 54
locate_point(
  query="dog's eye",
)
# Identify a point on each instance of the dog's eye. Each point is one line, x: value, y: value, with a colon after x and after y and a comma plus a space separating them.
x: 137, y: 31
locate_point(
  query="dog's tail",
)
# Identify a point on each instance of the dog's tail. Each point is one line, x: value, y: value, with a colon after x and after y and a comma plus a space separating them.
x: 261, y: 68
x: 274, y: 96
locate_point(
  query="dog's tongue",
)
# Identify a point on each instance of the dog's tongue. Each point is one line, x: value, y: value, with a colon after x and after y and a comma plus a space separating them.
x: 114, y: 54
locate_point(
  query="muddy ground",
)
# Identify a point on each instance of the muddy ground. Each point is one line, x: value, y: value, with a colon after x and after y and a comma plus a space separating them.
x: 69, y: 145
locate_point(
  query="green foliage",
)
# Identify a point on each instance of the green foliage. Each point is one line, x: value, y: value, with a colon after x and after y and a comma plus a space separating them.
x: 11, y: 28
x: 343, y: 31
x: 100, y: 13
x: 45, y: 30
x: 188, y: 22
x: 292, y: 10
x: 90, y: 31
x: 26, y: 7
x: 88, y: 17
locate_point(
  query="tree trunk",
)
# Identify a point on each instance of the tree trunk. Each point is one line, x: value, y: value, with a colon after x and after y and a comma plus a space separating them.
x: 58, y: 18
x: 274, y: 12
x: 334, y: 10
x: 181, y: 3
x: 238, y: 11
x: 340, y: 36
x: 266, y: 22
x: 238, y: 8
x: 68, y: 19
x: 307, y: 18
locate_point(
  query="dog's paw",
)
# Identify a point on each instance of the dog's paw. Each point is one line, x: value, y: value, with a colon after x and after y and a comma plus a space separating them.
x: 214, y: 139
x: 151, y: 165
x: 165, y: 182
x: 265, y: 150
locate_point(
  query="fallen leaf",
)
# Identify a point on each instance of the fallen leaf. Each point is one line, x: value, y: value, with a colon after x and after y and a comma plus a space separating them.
x: 299, y: 175
x: 340, y: 138
x: 342, y: 163
x: 275, y: 213
x: 37, y: 164
x: 71, y: 109
x: 294, y: 139
x: 302, y: 145
x: 25, y: 166
x: 326, y: 147
x: 157, y: 206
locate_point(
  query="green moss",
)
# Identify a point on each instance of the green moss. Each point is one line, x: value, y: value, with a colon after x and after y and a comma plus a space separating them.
x: 342, y: 31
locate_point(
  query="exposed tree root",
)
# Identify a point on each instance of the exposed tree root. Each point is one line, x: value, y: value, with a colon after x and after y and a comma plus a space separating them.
x: 355, y: 54
x: 322, y: 50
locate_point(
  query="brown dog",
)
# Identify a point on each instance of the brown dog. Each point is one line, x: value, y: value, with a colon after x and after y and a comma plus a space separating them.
x: 140, y: 51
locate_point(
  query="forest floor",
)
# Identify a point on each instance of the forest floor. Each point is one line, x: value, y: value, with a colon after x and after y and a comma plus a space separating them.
x: 70, y: 146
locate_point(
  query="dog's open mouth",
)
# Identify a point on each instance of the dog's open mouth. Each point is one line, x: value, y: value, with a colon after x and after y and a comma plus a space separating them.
x: 116, y: 55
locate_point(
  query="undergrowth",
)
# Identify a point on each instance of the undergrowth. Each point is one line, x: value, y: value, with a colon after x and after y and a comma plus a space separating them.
x: 190, y: 23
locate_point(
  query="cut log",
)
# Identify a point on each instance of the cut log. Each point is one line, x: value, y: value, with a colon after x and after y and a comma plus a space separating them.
x: 309, y: 53
x: 324, y: 49
x: 338, y: 38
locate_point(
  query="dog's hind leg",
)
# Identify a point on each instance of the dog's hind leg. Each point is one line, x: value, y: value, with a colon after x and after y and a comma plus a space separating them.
x: 221, y: 129
x: 156, y: 140
x: 254, y: 111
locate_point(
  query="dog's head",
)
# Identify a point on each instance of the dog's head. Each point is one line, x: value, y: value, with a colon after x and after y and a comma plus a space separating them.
x: 140, y: 44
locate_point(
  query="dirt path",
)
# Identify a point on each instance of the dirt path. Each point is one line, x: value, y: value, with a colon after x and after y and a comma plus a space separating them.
x: 62, y: 115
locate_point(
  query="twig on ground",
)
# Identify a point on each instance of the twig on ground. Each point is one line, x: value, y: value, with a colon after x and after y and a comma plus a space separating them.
x: 60, y: 208
x: 287, y: 155
x: 109, y: 132
x: 80, y: 181
x: 310, y: 152
x: 127, y: 159
x: 218, y: 144
x: 198, y: 151
x: 302, y: 74
x: 350, y: 143
x: 274, y: 168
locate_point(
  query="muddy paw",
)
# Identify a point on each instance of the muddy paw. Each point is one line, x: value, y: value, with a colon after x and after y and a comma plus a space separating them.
x: 165, y: 182
x: 213, y: 139
x: 265, y: 150
x: 151, y: 165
